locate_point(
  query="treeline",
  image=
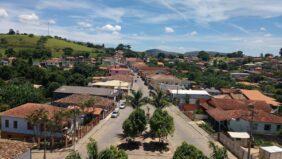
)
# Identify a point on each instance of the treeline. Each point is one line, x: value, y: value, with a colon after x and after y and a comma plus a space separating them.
x: 16, y: 81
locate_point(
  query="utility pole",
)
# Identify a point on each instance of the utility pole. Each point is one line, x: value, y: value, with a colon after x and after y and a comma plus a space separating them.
x: 251, y: 108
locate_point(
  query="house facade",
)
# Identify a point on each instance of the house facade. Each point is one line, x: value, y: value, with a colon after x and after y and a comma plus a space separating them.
x: 15, y: 125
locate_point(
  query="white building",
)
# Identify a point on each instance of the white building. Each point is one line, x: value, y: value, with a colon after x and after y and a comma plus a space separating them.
x: 193, y: 95
x: 14, y: 122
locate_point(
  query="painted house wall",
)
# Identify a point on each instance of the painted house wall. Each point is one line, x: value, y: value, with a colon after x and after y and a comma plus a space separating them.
x: 258, y: 128
x: 22, y: 126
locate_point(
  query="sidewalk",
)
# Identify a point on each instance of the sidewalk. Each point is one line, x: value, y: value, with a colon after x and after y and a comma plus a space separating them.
x: 80, y: 146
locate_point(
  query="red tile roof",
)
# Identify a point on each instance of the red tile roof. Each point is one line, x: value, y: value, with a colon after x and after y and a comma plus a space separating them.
x: 12, y: 149
x: 259, y: 115
x: 189, y: 107
x: 257, y: 95
x: 25, y: 110
x: 235, y: 104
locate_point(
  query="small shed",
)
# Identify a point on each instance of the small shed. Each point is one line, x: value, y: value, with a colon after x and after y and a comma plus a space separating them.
x: 270, y: 152
x: 240, y: 137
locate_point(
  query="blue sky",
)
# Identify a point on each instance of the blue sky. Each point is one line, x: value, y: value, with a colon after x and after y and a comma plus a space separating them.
x: 253, y: 26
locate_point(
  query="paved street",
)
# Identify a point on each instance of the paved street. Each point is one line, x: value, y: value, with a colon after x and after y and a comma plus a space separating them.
x: 185, y: 129
x: 107, y: 133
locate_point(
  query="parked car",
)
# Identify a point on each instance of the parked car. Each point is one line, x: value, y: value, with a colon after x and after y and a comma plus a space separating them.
x: 122, y: 104
x: 115, y: 114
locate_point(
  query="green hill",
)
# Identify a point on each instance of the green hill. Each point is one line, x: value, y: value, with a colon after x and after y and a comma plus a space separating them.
x: 18, y: 42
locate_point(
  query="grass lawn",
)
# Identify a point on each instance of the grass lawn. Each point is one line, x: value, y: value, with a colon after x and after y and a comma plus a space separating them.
x: 18, y: 42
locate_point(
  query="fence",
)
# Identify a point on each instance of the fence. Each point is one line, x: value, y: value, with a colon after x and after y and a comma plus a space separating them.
x: 234, y: 147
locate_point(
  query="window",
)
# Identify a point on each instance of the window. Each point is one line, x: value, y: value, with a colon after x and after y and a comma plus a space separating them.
x: 29, y: 126
x: 267, y: 127
x: 7, y: 123
x: 278, y: 127
x: 15, y: 125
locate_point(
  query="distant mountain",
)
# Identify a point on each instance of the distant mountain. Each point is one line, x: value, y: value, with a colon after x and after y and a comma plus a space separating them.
x: 155, y: 52
x: 195, y: 53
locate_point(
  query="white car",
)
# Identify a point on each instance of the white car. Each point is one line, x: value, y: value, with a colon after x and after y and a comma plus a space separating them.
x: 115, y: 114
x: 122, y: 105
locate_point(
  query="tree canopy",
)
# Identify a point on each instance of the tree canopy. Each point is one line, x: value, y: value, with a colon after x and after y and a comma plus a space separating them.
x: 161, y: 123
x: 112, y: 153
x: 135, y: 124
x: 186, y: 151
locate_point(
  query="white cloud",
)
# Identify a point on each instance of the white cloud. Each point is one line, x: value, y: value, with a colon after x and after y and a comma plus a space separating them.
x: 204, y: 11
x: 26, y: 18
x: 262, y: 29
x: 51, y: 21
x: 267, y: 35
x: 84, y: 24
x: 240, y: 28
x: 3, y: 13
x: 194, y: 33
x: 111, y: 28
x: 169, y: 30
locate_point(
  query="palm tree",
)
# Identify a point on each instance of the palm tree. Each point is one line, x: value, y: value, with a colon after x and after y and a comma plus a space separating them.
x: 159, y: 99
x: 137, y: 99
x: 218, y: 153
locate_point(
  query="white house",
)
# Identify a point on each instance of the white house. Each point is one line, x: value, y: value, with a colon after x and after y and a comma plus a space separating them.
x: 14, y: 122
x: 193, y: 95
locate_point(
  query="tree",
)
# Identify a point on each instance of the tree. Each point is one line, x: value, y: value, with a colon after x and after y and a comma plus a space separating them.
x: 218, y: 153
x: 112, y: 153
x: 136, y: 100
x: 203, y: 55
x: 51, y: 87
x: 161, y: 124
x: 135, y: 124
x: 159, y: 100
x: 68, y: 51
x: 11, y: 32
x: 73, y: 155
x: 186, y: 151
x: 10, y: 52
x: 280, y: 52
x: 15, y: 95
x: 92, y: 149
x: 37, y: 119
x: 161, y: 55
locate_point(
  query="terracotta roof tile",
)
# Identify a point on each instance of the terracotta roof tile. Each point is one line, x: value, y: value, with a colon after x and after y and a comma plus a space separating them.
x: 12, y: 149
x: 24, y: 110
x: 257, y: 95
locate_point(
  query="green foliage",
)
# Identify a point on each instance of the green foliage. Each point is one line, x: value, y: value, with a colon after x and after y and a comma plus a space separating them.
x: 236, y: 54
x: 203, y: 55
x: 112, y: 153
x: 161, y: 123
x: 218, y: 153
x: 68, y: 51
x: 51, y: 87
x: 159, y: 100
x: 15, y: 95
x: 135, y: 124
x: 92, y: 149
x: 186, y: 151
x: 136, y: 100
x: 207, y: 127
x: 73, y: 155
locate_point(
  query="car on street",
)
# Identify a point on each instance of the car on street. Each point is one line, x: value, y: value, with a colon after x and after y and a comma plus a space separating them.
x: 115, y: 114
x: 122, y: 104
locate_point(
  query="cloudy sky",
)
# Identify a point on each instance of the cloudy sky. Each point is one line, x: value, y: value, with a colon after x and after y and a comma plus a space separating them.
x: 253, y: 26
